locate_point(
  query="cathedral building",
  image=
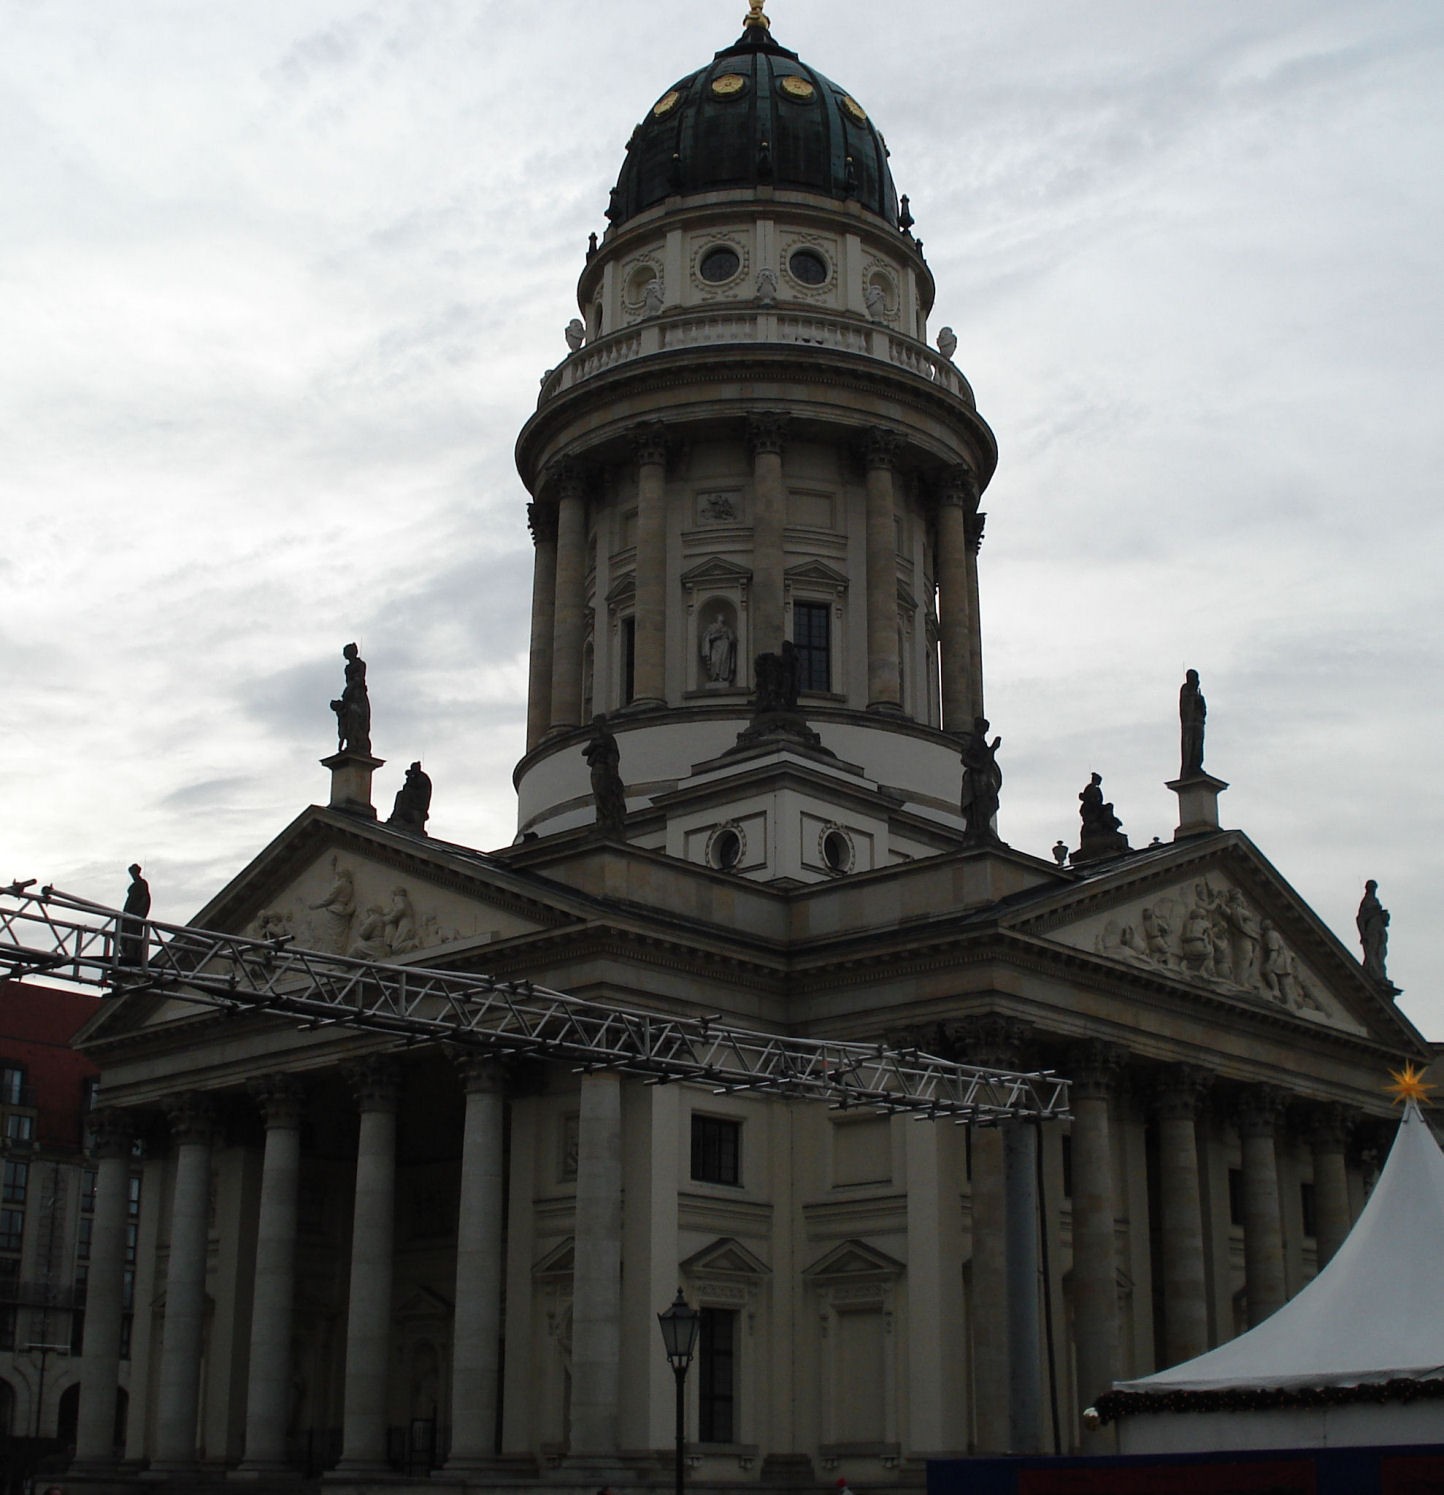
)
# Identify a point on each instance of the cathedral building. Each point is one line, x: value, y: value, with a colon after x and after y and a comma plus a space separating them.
x: 757, y: 786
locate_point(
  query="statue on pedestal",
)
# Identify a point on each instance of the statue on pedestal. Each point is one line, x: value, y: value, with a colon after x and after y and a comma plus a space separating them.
x: 982, y: 781
x: 413, y: 801
x: 1192, y: 712
x: 609, y: 794
x: 1373, y: 923
x: 353, y: 709
x: 132, y: 925
x: 1102, y: 831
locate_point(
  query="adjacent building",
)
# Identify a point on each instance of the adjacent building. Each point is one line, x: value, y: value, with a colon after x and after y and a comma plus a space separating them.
x: 756, y: 486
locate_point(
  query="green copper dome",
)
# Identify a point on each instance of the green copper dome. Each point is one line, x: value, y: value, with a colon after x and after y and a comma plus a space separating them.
x: 756, y: 116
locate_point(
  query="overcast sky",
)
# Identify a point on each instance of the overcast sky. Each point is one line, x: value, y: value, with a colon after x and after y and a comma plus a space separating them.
x: 278, y: 282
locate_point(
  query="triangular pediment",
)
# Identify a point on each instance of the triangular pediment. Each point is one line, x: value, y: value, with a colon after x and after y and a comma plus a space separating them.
x: 852, y: 1261
x: 557, y: 1263
x: 1218, y: 919
x: 715, y: 571
x: 424, y: 1304
x: 817, y: 573
x: 725, y: 1258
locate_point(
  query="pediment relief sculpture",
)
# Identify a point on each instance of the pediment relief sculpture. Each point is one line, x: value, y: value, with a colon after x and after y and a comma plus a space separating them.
x: 1214, y: 936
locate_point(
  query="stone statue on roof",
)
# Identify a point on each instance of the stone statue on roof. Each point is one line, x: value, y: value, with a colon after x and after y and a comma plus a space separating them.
x: 1373, y: 924
x: 353, y: 707
x: 1192, y: 712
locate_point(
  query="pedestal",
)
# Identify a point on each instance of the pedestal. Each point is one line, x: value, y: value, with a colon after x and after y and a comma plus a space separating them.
x: 1197, y: 803
x: 351, y: 781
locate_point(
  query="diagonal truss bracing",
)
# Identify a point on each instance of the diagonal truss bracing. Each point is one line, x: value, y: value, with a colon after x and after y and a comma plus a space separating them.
x: 65, y: 937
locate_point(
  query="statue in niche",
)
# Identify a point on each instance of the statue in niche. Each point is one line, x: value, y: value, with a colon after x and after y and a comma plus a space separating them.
x: 133, y: 916
x: 338, y: 906
x: 576, y: 335
x: 413, y: 801
x: 401, y: 934
x: 1192, y: 712
x: 1102, y: 831
x: 719, y: 652
x: 609, y: 795
x: 982, y: 781
x: 1373, y: 924
x: 353, y: 709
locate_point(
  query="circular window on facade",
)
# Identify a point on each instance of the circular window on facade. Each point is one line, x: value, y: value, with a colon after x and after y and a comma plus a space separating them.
x: 809, y: 267
x: 724, y: 850
x: 719, y: 263
x: 836, y: 850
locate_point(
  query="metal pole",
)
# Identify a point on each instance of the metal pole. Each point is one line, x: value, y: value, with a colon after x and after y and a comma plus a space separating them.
x: 680, y: 1371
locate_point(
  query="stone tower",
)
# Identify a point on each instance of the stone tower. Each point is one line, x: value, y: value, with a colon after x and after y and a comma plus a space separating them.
x: 754, y: 444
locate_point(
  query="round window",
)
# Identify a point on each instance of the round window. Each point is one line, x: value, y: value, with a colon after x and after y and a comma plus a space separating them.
x: 719, y: 264
x: 726, y: 849
x: 836, y: 851
x: 808, y: 266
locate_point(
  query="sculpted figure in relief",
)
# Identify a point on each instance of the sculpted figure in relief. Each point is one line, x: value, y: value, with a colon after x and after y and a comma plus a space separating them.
x: 338, y: 907
x: 401, y: 923
x: 370, y: 942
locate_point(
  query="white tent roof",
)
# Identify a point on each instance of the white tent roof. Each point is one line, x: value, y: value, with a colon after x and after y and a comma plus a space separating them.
x: 1376, y: 1312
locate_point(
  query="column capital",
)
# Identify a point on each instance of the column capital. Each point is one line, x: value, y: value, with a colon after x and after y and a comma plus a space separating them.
x: 480, y: 1073
x: 1177, y: 1091
x: 988, y: 1041
x: 1094, y: 1068
x: 1257, y: 1109
x: 976, y: 521
x: 1327, y: 1125
x: 280, y: 1098
x: 113, y: 1132
x: 959, y: 489
x: 649, y: 443
x: 880, y: 447
x: 375, y: 1082
x: 566, y: 479
x: 192, y: 1118
x: 766, y: 431
x: 541, y: 520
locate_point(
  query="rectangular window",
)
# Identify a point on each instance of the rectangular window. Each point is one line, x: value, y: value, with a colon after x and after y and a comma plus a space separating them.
x: 629, y: 659
x: 715, y: 1151
x: 19, y: 1127
x: 89, y: 1093
x: 132, y: 1205
x: 717, y: 1369
x: 12, y: 1229
x: 12, y: 1085
x: 132, y: 1236
x: 1067, y: 1166
x: 88, y: 1178
x: 811, y: 639
x: 16, y: 1177
x: 82, y: 1244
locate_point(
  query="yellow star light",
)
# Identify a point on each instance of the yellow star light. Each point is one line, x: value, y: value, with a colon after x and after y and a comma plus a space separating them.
x: 1409, y: 1086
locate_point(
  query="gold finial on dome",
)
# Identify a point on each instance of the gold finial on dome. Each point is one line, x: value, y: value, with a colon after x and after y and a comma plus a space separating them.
x: 1409, y: 1086
x: 754, y: 17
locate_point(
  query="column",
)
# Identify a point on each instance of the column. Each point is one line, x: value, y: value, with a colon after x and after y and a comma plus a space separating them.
x: 976, y: 521
x: 104, y: 1292
x: 376, y: 1084
x: 1263, y: 1246
x: 765, y: 432
x: 597, y: 1274
x: 542, y: 522
x: 476, y: 1323
x: 1328, y: 1137
x: 1176, y: 1100
x: 957, y: 622
x: 192, y: 1124
x: 569, y: 592
x: 281, y: 1100
x: 649, y: 679
x: 1094, y: 1070
x: 882, y: 661
x: 1025, y: 1363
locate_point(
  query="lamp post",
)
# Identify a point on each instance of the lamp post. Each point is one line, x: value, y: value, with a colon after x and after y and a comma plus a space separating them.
x: 679, y: 1325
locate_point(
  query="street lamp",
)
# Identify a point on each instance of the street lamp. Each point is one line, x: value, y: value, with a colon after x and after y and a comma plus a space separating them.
x: 679, y: 1325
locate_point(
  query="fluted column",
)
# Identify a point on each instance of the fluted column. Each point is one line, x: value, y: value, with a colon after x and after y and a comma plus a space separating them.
x: 542, y: 522
x: 104, y: 1292
x: 882, y: 661
x: 1094, y: 1068
x: 649, y: 677
x: 1329, y: 1128
x: 1176, y: 1100
x: 282, y: 1104
x: 376, y: 1084
x: 1258, y: 1113
x: 989, y: 1042
x: 1025, y: 1363
x: 192, y: 1124
x: 597, y: 1273
x: 766, y: 430
x: 976, y: 520
x: 569, y: 610
x: 957, y: 622
x: 476, y: 1330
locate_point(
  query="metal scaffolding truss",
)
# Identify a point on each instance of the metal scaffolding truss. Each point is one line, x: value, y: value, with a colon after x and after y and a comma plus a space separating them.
x: 65, y: 937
